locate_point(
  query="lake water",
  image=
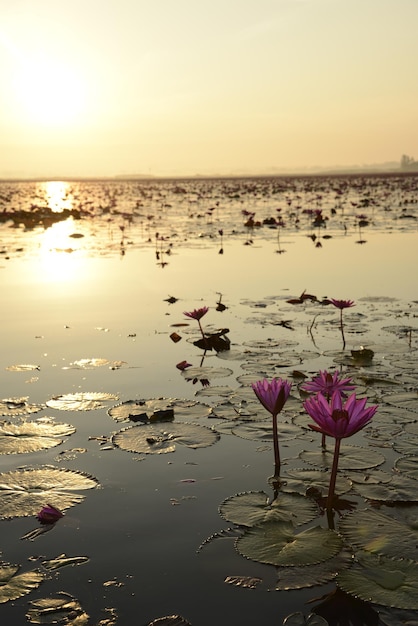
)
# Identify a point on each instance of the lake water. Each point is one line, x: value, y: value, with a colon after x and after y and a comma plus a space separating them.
x: 96, y: 276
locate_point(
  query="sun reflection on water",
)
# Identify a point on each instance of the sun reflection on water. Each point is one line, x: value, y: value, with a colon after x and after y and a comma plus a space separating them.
x: 59, y: 258
x: 58, y: 195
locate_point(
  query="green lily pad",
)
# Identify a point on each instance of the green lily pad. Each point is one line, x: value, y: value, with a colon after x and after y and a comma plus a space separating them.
x: 254, y: 507
x: 299, y: 480
x: 312, y: 575
x: 162, y: 438
x: 263, y: 431
x: 86, y: 401
x: 14, y: 585
x: 59, y: 609
x: 351, y: 457
x: 379, y: 534
x: 382, y: 580
x: 276, y: 543
x: 24, y: 367
x: 406, y: 444
x: 298, y: 619
x: 63, y: 560
x: 408, y: 465
x: 13, y: 407
x: 156, y: 409
x: 399, y: 489
x: 41, y: 434
x: 24, y: 492
x: 405, y: 400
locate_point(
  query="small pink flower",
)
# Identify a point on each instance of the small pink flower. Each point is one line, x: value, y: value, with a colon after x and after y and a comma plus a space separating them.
x: 197, y: 314
x: 342, y: 304
x: 183, y: 365
x: 49, y: 514
x: 326, y: 383
x: 272, y: 395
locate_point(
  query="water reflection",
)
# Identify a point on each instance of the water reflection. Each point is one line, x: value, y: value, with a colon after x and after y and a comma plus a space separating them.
x: 58, y: 195
x: 57, y: 259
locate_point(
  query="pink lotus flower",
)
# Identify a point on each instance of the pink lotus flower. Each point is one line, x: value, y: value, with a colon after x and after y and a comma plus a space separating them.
x: 342, y: 304
x: 336, y: 419
x: 197, y: 314
x: 326, y: 383
x: 49, y: 514
x: 273, y: 396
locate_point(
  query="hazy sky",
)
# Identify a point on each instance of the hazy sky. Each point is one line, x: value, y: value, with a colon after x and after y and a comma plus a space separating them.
x: 184, y: 87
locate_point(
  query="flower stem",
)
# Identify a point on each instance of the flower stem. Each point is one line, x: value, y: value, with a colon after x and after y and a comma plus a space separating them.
x: 276, y: 446
x: 342, y: 328
x: 333, y: 478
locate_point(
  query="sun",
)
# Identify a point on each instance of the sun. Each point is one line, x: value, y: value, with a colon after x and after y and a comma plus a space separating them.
x: 50, y: 93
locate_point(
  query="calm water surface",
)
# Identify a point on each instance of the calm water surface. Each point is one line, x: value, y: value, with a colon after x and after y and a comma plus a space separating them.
x: 95, y: 286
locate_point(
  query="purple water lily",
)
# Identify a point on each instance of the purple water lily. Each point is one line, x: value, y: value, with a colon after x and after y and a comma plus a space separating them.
x: 342, y: 304
x: 49, y: 514
x: 338, y: 420
x: 326, y: 383
x: 197, y: 314
x: 273, y: 396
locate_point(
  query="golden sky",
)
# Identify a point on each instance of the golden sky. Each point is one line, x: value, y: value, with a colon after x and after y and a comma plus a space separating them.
x: 185, y: 87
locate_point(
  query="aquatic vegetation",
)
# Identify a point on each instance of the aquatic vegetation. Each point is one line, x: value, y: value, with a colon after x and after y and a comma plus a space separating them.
x: 49, y: 514
x: 273, y: 396
x: 338, y: 420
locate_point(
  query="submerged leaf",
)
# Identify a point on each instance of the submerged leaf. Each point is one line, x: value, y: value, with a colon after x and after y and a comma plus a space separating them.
x: 160, y: 439
x: 24, y: 492
x: 277, y: 544
x: 254, y: 507
x: 14, y: 585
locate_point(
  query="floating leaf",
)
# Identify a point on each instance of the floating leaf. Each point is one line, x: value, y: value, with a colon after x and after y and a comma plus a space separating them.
x: 40, y: 434
x: 312, y: 575
x: 254, y: 507
x: 160, y: 439
x: 87, y: 401
x: 406, y: 445
x: 88, y: 364
x: 24, y: 492
x: 157, y: 409
x: 351, y: 457
x: 301, y: 480
x: 263, y: 431
x: 408, y: 465
x: 298, y: 619
x: 169, y: 620
x: 14, y: 585
x: 23, y: 368
x: 61, y: 609
x: 377, y: 533
x: 207, y: 373
x: 405, y: 400
x: 277, y: 544
x: 247, y: 582
x: 12, y: 407
x: 398, y: 489
x: 63, y: 560
x: 379, y: 579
